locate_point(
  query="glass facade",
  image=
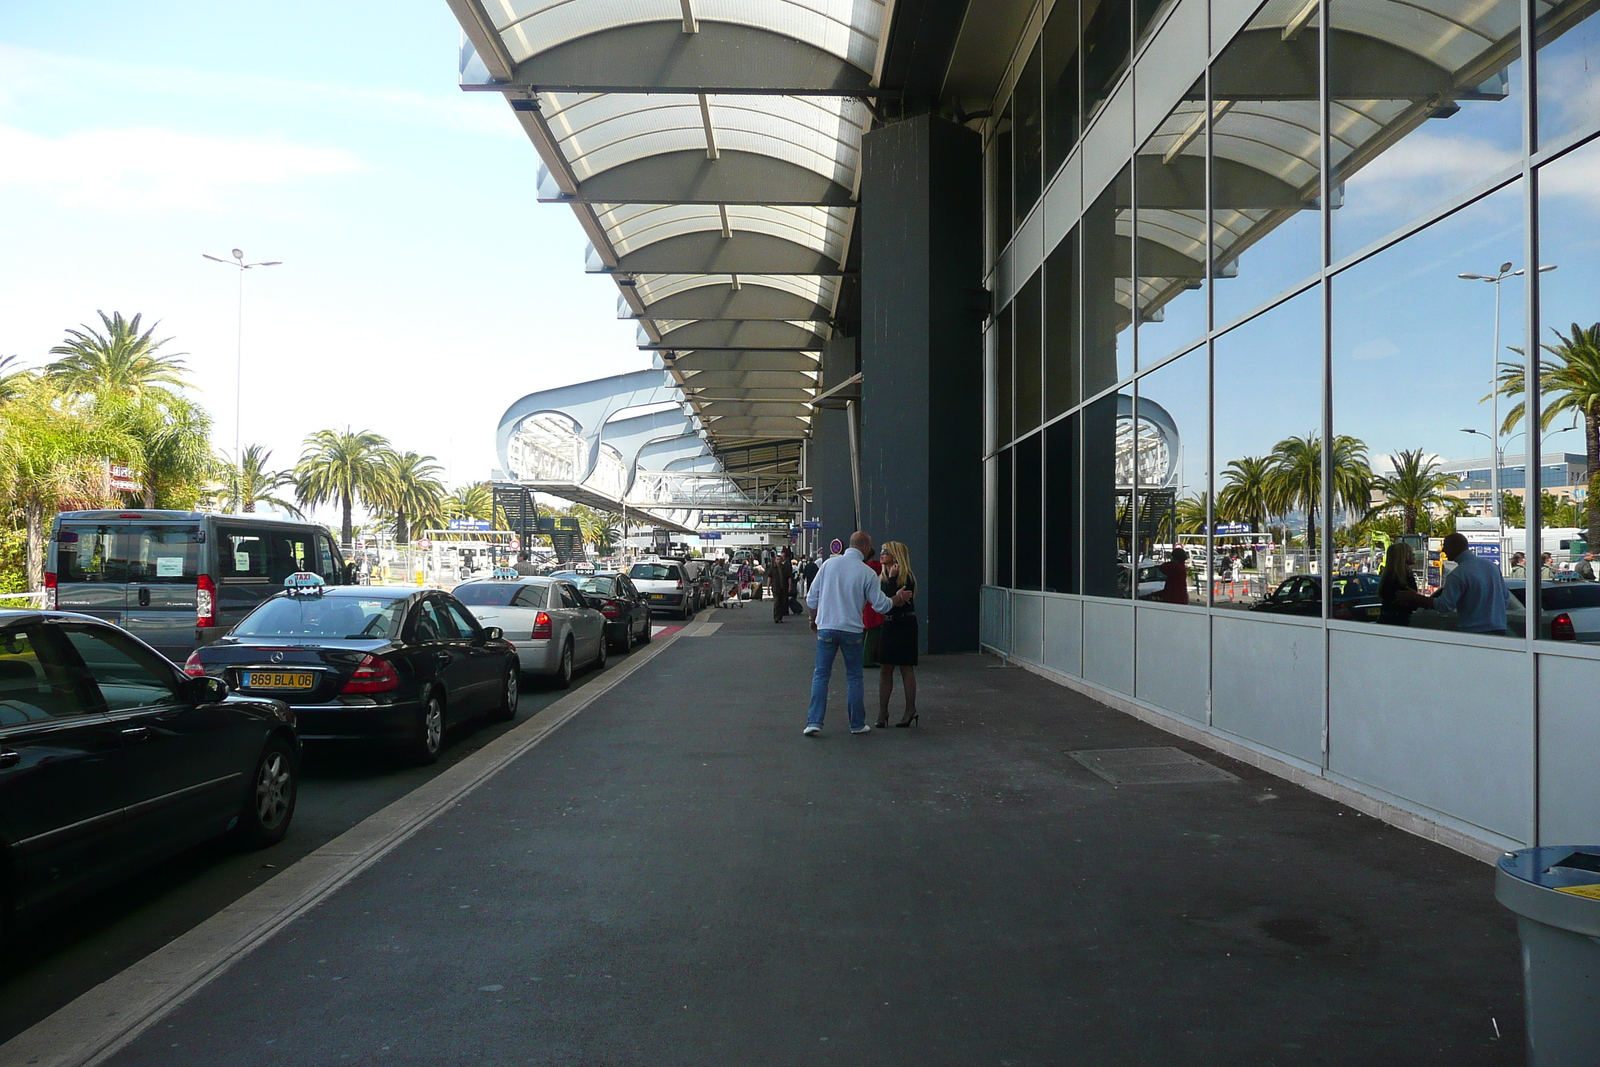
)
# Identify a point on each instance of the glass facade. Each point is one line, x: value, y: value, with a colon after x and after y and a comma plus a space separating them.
x: 1284, y: 330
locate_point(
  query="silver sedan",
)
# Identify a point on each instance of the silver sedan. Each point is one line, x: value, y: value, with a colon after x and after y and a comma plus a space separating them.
x: 552, y: 626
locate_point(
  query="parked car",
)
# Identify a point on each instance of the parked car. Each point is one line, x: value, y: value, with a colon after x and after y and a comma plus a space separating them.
x: 1354, y: 597
x: 180, y: 579
x: 552, y: 626
x: 112, y: 760
x: 626, y: 610
x: 698, y: 572
x: 1571, y: 611
x: 387, y: 665
x: 665, y: 585
x: 1151, y: 580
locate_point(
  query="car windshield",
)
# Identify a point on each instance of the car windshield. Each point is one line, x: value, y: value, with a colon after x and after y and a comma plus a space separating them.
x: 1355, y: 585
x: 602, y: 586
x: 332, y: 617
x: 654, y: 572
x: 129, y: 552
x: 487, y: 594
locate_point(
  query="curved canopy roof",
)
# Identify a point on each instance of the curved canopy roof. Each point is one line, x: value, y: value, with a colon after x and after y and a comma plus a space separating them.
x: 711, y: 150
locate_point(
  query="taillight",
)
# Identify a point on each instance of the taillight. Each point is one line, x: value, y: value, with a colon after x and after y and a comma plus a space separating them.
x: 373, y: 674
x: 611, y: 609
x: 49, y: 602
x: 541, y: 627
x: 191, y: 666
x: 205, y: 601
x: 1561, y: 628
x: 680, y: 583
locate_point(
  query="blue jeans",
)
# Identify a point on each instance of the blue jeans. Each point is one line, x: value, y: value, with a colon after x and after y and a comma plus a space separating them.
x: 828, y: 642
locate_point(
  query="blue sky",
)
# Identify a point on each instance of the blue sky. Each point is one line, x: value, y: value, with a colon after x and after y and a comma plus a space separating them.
x: 422, y: 287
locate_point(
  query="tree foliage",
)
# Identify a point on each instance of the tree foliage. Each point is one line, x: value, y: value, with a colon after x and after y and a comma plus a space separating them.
x: 342, y: 467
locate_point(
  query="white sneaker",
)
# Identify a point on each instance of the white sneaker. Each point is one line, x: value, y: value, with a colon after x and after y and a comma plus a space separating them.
x: 812, y: 731
x: 866, y: 728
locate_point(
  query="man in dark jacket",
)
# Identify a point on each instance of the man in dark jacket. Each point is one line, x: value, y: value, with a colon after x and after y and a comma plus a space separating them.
x: 780, y: 583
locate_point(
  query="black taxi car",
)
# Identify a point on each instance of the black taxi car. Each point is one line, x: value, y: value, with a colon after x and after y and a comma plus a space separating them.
x: 395, y: 666
x: 111, y: 759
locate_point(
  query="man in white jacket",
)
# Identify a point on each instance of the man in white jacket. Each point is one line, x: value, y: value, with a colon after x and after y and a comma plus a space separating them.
x: 843, y: 586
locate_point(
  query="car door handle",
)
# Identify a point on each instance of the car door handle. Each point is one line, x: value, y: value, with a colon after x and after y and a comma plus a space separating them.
x: 137, y: 733
x: 9, y: 758
x: 144, y: 597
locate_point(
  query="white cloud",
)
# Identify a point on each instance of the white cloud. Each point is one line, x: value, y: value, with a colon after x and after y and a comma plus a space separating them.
x: 147, y: 168
x: 1426, y: 165
x: 1377, y: 348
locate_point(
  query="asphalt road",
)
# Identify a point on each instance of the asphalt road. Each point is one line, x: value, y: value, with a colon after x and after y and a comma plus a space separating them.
x: 100, y: 937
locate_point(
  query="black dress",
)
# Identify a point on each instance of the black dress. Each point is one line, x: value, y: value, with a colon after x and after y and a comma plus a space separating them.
x: 897, y: 647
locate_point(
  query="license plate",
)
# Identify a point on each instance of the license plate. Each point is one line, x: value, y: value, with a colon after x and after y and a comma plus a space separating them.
x: 276, y: 680
x: 658, y: 596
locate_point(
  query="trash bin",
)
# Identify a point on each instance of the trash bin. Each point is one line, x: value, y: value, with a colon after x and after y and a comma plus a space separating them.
x: 1555, y: 892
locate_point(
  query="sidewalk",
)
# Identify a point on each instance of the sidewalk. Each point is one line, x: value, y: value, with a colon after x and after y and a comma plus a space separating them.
x: 679, y: 877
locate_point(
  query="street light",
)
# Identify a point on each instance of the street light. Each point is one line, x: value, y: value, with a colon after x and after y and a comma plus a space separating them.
x: 1494, y: 375
x: 238, y: 353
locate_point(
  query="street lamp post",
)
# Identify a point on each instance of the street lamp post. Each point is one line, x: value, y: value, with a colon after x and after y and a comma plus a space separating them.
x: 238, y: 353
x: 1494, y: 377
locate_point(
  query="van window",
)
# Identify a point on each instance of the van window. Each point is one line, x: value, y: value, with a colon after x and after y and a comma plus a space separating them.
x: 263, y: 553
x: 152, y: 554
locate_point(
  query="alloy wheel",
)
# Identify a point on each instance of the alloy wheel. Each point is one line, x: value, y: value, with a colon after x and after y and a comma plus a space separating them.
x: 273, y: 788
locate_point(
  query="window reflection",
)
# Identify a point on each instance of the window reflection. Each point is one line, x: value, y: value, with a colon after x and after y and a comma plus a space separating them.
x: 1061, y: 326
x: 1170, y: 229
x: 1266, y: 143
x: 1028, y: 136
x: 1108, y: 287
x: 1027, y: 356
x: 1107, y: 38
x: 1029, y: 487
x: 1267, y: 384
x: 1003, y: 517
x: 1415, y: 359
x: 1568, y: 69
x: 1000, y: 150
x: 1060, y: 84
x: 1002, y: 377
x: 1062, y: 489
x: 1173, y: 445
x: 1424, y: 106
x: 1107, y: 521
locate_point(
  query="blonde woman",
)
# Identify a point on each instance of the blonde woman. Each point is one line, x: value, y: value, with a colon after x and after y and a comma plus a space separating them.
x: 1397, y: 579
x: 897, y: 647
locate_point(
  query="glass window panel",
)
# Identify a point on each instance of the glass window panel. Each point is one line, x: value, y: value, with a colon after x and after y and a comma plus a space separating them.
x: 1061, y: 326
x: 1002, y: 378
x: 1027, y: 358
x: 1000, y: 149
x: 1061, y: 493
x: 1003, y: 525
x: 1170, y: 231
x: 1060, y: 84
x: 1267, y: 383
x: 1107, y: 521
x: 1173, y: 442
x: 1266, y: 136
x: 1108, y: 287
x: 1568, y: 69
x: 1107, y: 38
x: 1146, y: 16
x: 1028, y: 134
x: 1030, y: 472
x: 1414, y: 360
x: 1425, y: 103
x: 1569, y: 241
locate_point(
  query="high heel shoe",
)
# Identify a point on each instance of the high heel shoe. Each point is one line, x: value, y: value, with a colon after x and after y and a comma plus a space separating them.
x: 881, y: 723
x: 912, y: 721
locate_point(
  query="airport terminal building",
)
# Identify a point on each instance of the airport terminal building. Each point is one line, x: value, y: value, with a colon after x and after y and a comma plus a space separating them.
x: 1045, y: 289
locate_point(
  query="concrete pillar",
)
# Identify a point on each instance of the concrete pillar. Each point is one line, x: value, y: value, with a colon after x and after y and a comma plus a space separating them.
x: 832, y: 500
x: 922, y: 312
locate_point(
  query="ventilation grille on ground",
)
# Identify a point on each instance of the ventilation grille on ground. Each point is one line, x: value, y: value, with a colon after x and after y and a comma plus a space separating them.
x: 1150, y: 766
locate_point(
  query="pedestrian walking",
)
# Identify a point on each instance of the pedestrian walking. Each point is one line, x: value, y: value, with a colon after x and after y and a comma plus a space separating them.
x: 778, y: 578
x: 844, y: 585
x: 897, y: 643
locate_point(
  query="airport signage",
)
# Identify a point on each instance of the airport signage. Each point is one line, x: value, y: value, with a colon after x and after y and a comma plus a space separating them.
x: 469, y: 524
x: 1235, y: 527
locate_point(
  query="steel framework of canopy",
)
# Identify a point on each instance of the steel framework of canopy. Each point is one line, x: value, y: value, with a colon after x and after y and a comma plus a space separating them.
x: 711, y: 152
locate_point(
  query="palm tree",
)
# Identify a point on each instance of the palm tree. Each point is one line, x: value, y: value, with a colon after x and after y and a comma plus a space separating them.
x: 475, y: 501
x: 1244, y: 496
x: 53, y: 457
x: 13, y: 379
x: 120, y: 363
x: 410, y: 490
x: 175, y: 434
x: 341, y: 466
x: 1572, y: 377
x: 250, y: 482
x: 1416, y: 486
x: 1190, y: 517
x: 1295, y: 479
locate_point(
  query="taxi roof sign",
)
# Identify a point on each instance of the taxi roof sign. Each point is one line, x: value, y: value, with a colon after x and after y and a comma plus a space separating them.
x: 504, y: 572
x: 303, y: 583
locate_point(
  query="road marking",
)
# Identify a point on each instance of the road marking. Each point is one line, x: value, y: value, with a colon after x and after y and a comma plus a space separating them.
x: 705, y: 629
x: 103, y: 1021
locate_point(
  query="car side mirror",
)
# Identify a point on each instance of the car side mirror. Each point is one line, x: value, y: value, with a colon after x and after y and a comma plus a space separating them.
x: 204, y: 689
x: 493, y: 633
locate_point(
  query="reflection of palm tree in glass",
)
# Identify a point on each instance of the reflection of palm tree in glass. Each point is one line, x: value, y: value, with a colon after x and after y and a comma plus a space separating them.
x: 1244, y: 494
x: 1573, y: 379
x: 1416, y: 485
x: 1191, y: 514
x: 1295, y: 480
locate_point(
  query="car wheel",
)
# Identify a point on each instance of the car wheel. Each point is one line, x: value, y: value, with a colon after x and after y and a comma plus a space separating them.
x: 430, y: 730
x: 601, y: 656
x: 563, y: 675
x: 645, y: 638
x: 508, y: 699
x: 269, y: 807
x: 626, y: 644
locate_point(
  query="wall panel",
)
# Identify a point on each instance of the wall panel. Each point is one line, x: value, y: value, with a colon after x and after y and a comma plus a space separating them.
x: 1063, y: 635
x: 1173, y: 657
x: 1027, y: 626
x: 1108, y: 644
x: 1268, y: 679
x: 1569, y: 743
